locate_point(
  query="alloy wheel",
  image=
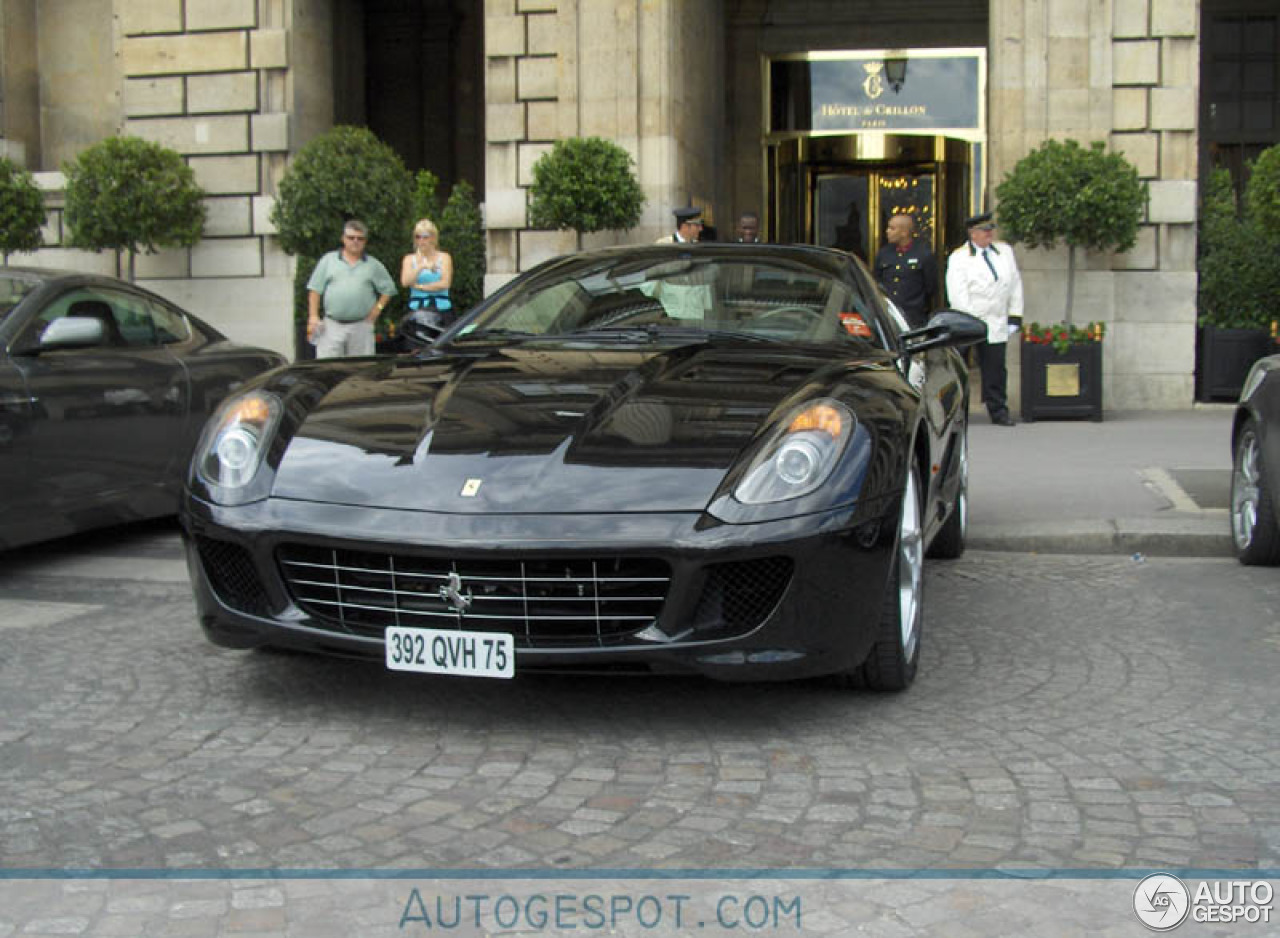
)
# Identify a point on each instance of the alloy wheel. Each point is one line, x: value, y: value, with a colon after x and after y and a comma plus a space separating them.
x: 910, y: 567
x: 1244, y: 491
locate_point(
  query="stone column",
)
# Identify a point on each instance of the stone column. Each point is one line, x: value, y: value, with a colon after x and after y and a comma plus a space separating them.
x: 19, y: 84
x: 644, y: 75
x: 209, y: 78
x: 1124, y: 72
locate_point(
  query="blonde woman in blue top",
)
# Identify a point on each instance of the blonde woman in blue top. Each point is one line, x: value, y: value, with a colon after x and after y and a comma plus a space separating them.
x: 428, y: 273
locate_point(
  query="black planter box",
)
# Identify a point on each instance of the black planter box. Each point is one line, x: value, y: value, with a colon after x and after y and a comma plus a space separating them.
x: 1223, y: 360
x: 1061, y: 384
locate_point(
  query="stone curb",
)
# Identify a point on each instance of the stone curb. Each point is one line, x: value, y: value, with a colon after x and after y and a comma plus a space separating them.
x: 1194, y: 536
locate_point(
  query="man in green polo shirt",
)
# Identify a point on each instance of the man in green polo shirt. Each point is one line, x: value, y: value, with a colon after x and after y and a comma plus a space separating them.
x: 354, y: 289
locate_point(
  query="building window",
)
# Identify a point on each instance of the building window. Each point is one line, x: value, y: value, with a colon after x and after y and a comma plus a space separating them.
x: 1240, y: 84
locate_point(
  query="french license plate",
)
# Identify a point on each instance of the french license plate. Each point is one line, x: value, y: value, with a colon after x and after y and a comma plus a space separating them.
x: 450, y: 651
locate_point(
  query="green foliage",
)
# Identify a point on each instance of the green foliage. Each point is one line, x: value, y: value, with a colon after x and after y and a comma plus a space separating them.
x: 21, y: 209
x: 1083, y: 197
x: 1239, y: 262
x: 1263, y: 192
x: 426, y: 198
x: 1086, y: 198
x: 585, y: 184
x: 128, y: 194
x: 344, y: 173
x: 462, y: 235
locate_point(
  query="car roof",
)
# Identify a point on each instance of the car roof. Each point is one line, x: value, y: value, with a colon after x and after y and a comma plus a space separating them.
x: 53, y: 277
x: 804, y: 253
x: 50, y: 274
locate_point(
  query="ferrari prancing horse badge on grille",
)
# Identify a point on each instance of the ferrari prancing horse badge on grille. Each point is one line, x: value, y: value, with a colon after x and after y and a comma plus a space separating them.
x: 471, y: 487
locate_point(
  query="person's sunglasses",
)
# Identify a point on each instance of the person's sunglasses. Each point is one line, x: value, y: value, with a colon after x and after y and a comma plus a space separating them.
x: 355, y: 237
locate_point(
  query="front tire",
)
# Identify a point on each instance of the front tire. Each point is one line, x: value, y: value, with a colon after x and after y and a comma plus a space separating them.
x: 891, y: 665
x: 1253, y: 516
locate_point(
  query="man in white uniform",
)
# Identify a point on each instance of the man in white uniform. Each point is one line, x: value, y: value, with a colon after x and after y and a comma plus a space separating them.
x: 983, y: 279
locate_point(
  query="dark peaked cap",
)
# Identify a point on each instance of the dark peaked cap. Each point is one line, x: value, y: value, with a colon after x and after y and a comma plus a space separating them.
x: 979, y: 221
x: 687, y: 214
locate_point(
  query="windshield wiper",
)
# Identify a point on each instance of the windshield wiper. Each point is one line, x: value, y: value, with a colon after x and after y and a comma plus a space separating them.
x: 497, y: 333
x: 652, y: 331
x: 738, y: 334
x: 632, y: 333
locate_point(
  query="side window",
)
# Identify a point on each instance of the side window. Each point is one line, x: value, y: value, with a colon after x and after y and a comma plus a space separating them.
x: 127, y: 319
x: 134, y: 319
x: 170, y: 325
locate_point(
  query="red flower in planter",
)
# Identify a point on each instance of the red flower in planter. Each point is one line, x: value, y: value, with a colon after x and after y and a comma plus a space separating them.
x: 1064, y: 335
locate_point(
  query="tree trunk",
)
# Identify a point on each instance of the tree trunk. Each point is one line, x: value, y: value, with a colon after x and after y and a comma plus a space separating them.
x: 133, y: 257
x: 1071, y: 280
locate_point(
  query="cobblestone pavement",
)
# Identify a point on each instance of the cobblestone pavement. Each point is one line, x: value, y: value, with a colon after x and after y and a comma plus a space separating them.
x: 1095, y: 713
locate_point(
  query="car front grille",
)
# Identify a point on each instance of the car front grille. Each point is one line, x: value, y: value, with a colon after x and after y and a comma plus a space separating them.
x: 543, y: 603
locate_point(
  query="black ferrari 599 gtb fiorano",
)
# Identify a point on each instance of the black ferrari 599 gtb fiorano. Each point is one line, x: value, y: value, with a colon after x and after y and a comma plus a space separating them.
x: 722, y: 459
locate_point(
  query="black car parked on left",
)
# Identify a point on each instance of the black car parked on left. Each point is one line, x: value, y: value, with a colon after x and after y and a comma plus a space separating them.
x: 104, y: 388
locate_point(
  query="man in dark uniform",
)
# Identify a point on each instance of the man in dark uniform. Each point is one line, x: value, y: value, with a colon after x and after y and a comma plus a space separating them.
x: 748, y: 231
x: 688, y: 227
x: 907, y: 270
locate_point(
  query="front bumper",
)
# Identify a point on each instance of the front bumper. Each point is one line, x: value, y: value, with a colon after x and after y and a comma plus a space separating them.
x: 817, y: 615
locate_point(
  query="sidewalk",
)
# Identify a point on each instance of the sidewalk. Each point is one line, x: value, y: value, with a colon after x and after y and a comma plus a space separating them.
x: 1150, y: 482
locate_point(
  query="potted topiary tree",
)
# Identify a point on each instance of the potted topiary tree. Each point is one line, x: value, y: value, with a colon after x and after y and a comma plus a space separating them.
x: 344, y: 173
x: 21, y: 210
x: 585, y: 185
x: 1085, y: 198
x: 129, y: 194
x: 1239, y: 267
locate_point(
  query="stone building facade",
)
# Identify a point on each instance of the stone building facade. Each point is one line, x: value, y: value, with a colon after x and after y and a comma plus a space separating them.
x: 236, y: 86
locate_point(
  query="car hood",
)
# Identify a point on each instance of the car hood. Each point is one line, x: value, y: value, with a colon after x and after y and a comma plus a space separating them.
x: 540, y: 428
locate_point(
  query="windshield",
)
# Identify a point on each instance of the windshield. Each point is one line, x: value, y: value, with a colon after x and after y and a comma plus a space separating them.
x: 757, y: 299
x: 12, y: 290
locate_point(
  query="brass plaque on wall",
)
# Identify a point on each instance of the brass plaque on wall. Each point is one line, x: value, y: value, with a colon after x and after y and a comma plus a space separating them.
x: 1062, y: 380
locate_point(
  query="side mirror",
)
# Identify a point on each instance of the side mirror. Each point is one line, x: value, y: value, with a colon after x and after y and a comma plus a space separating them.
x: 72, y: 332
x: 421, y: 328
x: 949, y: 328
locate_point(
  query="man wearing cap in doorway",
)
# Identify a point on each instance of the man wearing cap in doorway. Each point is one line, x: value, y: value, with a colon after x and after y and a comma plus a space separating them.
x: 983, y: 279
x: 688, y: 226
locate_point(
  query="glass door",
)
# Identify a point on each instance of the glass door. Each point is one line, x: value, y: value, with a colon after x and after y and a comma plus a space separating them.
x: 911, y: 193
x: 851, y: 208
x: 841, y: 207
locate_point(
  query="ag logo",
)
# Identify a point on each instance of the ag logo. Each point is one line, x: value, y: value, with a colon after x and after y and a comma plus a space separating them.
x: 1161, y: 902
x: 873, y: 84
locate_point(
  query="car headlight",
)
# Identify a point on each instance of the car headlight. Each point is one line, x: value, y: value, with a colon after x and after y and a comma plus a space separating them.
x: 236, y: 440
x: 800, y: 456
